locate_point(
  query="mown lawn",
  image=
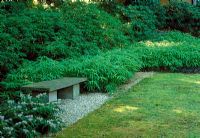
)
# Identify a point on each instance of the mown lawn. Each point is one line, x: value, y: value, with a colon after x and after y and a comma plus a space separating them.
x: 166, y: 105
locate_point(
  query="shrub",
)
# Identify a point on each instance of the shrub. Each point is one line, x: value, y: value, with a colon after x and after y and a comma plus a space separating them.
x: 28, y: 117
x: 10, y: 53
x: 156, y: 7
x: 24, y: 33
x: 104, y: 71
x: 7, y: 7
x: 97, y: 26
x: 41, y: 70
x: 171, y: 51
x: 73, y: 30
x: 7, y: 95
x: 160, y: 13
x: 198, y: 3
x: 140, y: 22
x: 112, y: 7
x: 142, y: 2
x: 184, y: 17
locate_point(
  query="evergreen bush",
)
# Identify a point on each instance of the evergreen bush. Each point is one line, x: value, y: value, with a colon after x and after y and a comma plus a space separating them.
x: 140, y: 22
x: 184, y: 17
x: 73, y: 30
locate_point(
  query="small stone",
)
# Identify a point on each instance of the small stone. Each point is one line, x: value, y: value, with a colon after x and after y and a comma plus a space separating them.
x: 73, y: 110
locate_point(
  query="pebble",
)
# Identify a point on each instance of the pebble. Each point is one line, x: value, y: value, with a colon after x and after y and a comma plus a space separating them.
x: 73, y: 110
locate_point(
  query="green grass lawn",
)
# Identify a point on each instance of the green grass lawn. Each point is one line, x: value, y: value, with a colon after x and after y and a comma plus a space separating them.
x: 166, y: 105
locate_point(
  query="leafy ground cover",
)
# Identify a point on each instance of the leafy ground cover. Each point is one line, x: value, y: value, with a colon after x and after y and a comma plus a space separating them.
x: 168, y: 52
x: 29, y: 117
x: 166, y: 105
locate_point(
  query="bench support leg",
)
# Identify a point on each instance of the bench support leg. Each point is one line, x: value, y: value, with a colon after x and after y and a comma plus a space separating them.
x: 52, y: 96
x: 69, y: 92
x: 76, y: 90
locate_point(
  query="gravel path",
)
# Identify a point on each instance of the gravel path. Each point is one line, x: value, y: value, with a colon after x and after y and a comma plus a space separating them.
x: 73, y: 110
x: 81, y: 106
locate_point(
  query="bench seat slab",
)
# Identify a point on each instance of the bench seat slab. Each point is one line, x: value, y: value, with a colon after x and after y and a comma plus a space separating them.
x: 53, y: 85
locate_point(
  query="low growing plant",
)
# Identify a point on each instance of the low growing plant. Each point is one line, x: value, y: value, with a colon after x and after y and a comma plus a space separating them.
x: 104, y: 71
x: 42, y: 69
x: 171, y: 51
x: 28, y: 117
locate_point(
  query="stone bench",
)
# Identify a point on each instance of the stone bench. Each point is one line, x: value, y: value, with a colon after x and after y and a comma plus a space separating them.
x: 64, y: 88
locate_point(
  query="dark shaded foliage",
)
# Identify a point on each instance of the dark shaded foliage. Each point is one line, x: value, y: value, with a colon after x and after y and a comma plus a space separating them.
x: 184, y: 17
x: 74, y: 30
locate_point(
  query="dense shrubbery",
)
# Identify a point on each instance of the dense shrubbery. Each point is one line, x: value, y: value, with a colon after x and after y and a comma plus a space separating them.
x: 28, y: 117
x: 104, y: 71
x: 140, y: 22
x: 177, y: 15
x: 184, y: 17
x: 97, y: 27
x: 160, y: 13
x: 76, y: 29
x: 142, y: 2
x: 33, y: 71
x: 46, y: 44
x: 181, y: 16
x: 82, y: 29
x: 170, y: 52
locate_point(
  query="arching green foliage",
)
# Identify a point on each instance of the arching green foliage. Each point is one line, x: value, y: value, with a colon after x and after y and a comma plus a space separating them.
x: 73, y: 30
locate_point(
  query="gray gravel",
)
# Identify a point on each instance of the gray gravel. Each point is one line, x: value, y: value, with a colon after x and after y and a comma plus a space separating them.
x: 73, y: 110
x: 81, y: 106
